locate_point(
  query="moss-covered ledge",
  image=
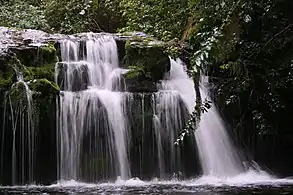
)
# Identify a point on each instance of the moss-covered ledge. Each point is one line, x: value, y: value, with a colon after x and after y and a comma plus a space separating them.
x: 146, y: 58
x: 36, y: 56
x: 44, y: 87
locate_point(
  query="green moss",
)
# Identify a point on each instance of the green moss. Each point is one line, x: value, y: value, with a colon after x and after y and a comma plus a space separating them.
x: 150, y: 60
x: 7, y: 71
x: 135, y: 72
x: 148, y: 64
x: 144, y: 42
x: 18, y: 94
x: 48, y: 54
x: 46, y: 71
x: 36, y: 56
x: 44, y: 87
x: 6, y: 79
x: 39, y: 78
x: 17, y: 90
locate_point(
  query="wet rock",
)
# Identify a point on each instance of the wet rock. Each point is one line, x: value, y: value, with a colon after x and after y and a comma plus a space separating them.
x: 140, y: 85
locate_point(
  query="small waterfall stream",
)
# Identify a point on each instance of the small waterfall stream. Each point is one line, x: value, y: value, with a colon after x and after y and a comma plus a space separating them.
x: 18, y: 105
x: 218, y: 156
x: 220, y: 159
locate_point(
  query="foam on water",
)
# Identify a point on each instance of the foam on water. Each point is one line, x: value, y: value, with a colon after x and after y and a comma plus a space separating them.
x: 245, y: 180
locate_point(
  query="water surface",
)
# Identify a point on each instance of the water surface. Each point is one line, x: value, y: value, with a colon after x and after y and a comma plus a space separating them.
x: 204, y: 185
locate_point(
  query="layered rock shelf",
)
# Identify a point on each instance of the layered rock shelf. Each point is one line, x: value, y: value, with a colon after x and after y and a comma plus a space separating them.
x: 35, y: 53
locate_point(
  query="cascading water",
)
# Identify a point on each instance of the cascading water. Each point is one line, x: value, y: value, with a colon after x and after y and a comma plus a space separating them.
x: 92, y: 123
x: 179, y: 82
x: 217, y: 154
x: 95, y: 116
x: 104, y: 132
x: 174, y: 101
x: 18, y: 109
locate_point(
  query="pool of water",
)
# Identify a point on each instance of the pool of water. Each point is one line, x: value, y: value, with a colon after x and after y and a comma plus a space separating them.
x: 153, y: 189
x: 205, y: 185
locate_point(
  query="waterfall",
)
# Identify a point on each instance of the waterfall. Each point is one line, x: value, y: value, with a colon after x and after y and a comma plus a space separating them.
x: 92, y: 123
x: 218, y: 155
x: 175, y: 99
x: 18, y: 111
x: 104, y: 132
x: 178, y: 81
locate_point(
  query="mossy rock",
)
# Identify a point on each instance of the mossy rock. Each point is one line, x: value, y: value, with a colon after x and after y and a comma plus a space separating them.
x: 8, y: 67
x: 148, y: 64
x: 19, y: 95
x: 48, y: 54
x: 36, y: 56
x: 18, y: 89
x: 140, y: 86
x: 43, y: 72
x: 44, y: 87
x: 6, y: 73
x: 6, y: 78
x: 152, y: 58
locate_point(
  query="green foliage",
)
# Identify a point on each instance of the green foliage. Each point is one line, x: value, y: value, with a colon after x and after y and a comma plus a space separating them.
x: 147, y: 61
x: 46, y: 71
x: 250, y: 62
x: 44, y: 87
x: 67, y: 16
x: 193, y: 122
x: 108, y: 16
x: 22, y: 14
x: 161, y: 18
x: 135, y: 72
x: 71, y: 16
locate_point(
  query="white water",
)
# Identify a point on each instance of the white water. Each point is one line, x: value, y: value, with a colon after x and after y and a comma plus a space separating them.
x: 174, y: 100
x: 95, y: 110
x: 219, y: 157
x: 178, y: 81
x: 157, y: 128
x: 217, y: 153
x: 245, y: 180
